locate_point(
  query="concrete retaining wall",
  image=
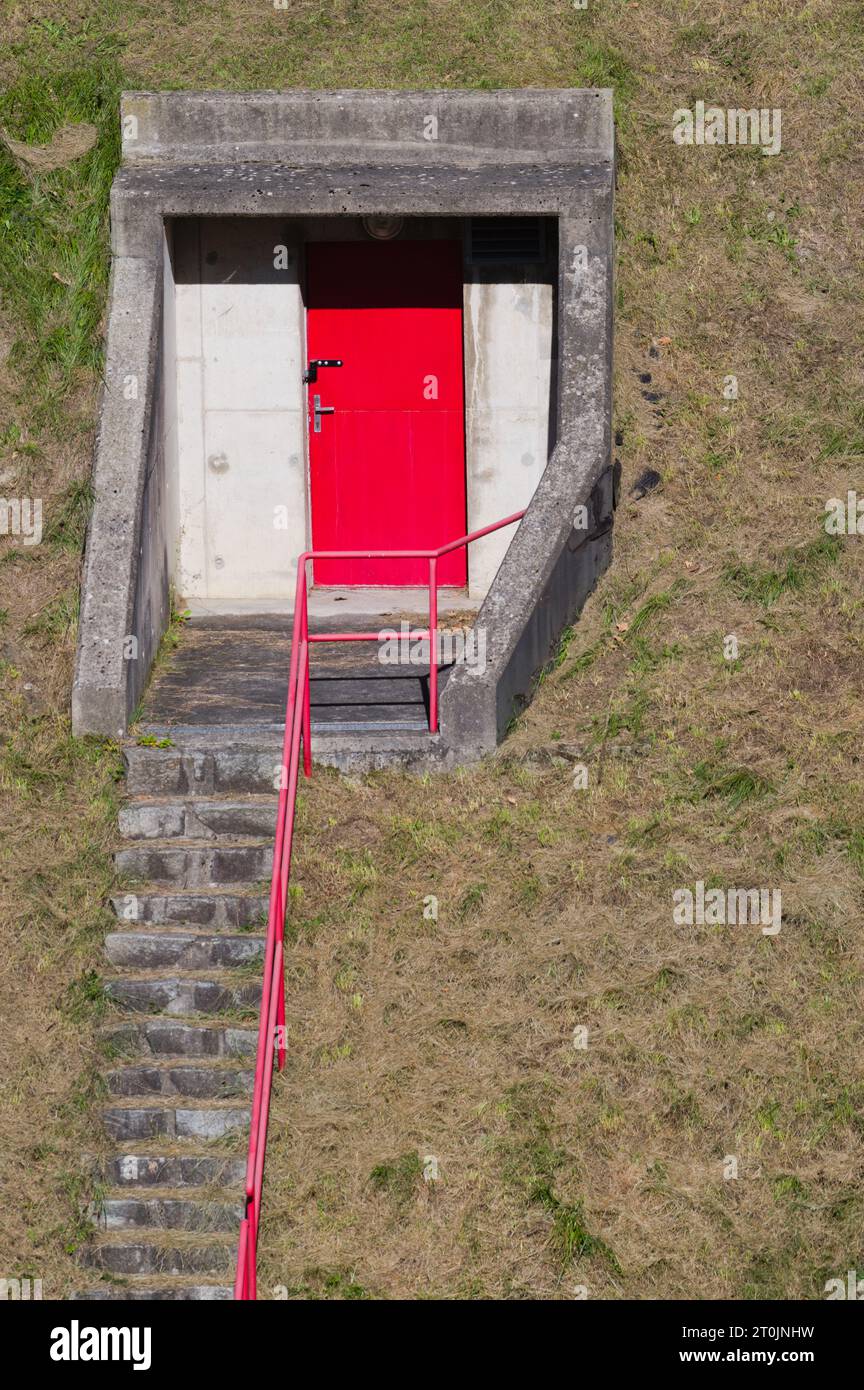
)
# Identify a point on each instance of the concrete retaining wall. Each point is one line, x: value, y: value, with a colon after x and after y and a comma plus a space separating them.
x: 124, y: 599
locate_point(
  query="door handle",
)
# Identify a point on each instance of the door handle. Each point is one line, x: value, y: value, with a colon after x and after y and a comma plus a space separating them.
x: 317, y: 411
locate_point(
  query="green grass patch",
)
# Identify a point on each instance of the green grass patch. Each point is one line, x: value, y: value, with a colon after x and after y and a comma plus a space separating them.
x: 795, y: 571
x: 398, y: 1178
x: 737, y: 785
x: 54, y: 224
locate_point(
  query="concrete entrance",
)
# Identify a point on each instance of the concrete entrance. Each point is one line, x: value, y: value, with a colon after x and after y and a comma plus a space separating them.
x: 202, y: 470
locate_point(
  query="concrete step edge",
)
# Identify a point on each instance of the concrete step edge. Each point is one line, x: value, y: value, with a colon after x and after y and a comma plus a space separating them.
x: 228, y: 798
x: 228, y: 1019
x: 176, y: 1103
x: 200, y: 1022
x: 217, y: 840
x: 196, y: 932
x: 161, y: 1236
x: 156, y: 974
x: 193, y: 930
x: 150, y: 1290
x: 221, y: 1196
x: 217, y: 890
x: 183, y: 1062
x: 166, y: 1147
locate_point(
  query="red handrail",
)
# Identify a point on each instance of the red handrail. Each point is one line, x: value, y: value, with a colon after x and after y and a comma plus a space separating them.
x: 298, y: 726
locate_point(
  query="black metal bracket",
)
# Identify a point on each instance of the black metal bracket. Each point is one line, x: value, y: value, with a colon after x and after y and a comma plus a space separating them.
x: 311, y: 372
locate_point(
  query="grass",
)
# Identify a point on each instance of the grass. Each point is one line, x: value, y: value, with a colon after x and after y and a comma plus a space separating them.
x: 737, y: 786
x: 57, y: 819
x: 398, y: 1178
x: 796, y: 569
x: 53, y: 272
x: 70, y: 516
x: 450, y: 1033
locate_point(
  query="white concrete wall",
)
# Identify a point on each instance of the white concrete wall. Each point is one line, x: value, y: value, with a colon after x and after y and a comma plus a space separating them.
x: 240, y: 419
x: 508, y: 347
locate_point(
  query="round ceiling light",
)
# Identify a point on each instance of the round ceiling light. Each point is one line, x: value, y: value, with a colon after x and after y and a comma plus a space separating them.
x: 383, y: 228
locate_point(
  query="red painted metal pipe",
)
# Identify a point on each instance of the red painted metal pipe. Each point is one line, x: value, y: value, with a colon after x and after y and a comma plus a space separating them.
x: 242, y: 1260
x: 415, y: 634
x: 433, y: 646
x: 298, y: 727
x: 273, y: 984
x: 267, y: 1080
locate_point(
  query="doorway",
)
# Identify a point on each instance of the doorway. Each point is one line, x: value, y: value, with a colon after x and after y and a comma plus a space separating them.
x: 386, y: 408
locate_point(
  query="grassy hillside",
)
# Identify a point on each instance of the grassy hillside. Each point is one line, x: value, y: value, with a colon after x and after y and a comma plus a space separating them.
x: 558, y: 1166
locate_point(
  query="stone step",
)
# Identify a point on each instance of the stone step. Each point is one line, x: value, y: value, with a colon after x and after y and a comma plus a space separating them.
x: 154, y: 1257
x: 216, y: 910
x: 130, y: 1122
x: 228, y: 760
x: 203, y: 1293
x: 197, y: 1083
x: 136, y: 1170
x: 197, y: 818
x: 183, y: 950
x: 251, y: 767
x: 169, y: 1213
x: 164, y: 1038
x: 179, y: 997
x: 196, y: 865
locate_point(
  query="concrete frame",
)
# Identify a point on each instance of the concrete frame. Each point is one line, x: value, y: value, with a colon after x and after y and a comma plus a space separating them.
x: 450, y: 153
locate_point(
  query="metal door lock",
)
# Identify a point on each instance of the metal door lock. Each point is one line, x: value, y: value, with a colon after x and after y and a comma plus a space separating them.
x: 311, y: 372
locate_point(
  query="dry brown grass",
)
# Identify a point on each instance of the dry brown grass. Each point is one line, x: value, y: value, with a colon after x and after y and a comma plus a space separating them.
x: 558, y: 1167
x: 57, y: 823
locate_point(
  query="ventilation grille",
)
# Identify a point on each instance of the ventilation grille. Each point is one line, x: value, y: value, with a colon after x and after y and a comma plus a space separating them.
x: 506, y: 241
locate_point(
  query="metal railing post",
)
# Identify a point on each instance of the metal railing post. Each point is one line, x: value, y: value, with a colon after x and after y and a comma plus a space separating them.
x: 252, y: 1257
x: 242, y: 1275
x: 433, y: 646
x: 280, y: 992
x: 307, y: 702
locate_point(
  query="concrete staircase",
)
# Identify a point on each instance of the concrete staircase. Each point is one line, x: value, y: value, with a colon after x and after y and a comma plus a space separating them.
x: 184, y: 972
x: 184, y: 965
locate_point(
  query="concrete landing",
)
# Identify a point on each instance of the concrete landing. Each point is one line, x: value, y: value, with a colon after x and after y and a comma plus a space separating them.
x: 232, y: 671
x: 382, y: 606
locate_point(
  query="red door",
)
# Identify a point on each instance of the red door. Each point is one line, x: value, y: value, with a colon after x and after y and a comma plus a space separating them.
x: 387, y: 443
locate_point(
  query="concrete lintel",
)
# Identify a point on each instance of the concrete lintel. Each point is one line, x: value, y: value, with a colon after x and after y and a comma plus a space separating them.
x: 107, y: 682
x: 425, y: 127
x: 142, y: 197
